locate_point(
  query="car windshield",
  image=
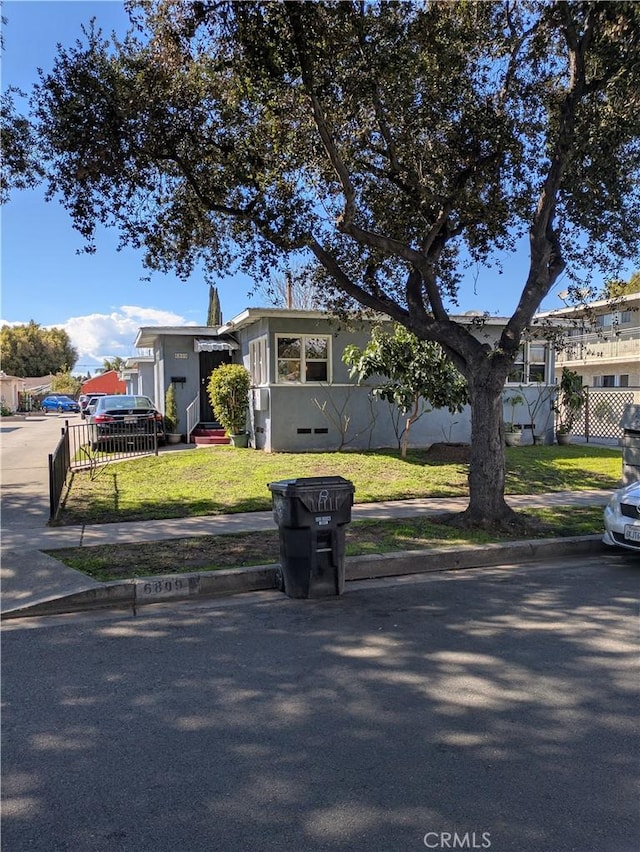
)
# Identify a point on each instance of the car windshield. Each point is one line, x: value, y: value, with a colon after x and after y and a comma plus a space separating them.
x: 125, y: 402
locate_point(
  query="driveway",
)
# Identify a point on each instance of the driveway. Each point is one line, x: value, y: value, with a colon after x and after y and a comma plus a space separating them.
x: 24, y: 464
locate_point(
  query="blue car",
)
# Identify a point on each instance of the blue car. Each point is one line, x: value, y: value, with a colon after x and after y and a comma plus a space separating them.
x: 59, y: 403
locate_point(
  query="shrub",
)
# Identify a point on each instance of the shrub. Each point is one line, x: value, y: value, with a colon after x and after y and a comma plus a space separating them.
x: 228, y: 391
x: 171, y: 418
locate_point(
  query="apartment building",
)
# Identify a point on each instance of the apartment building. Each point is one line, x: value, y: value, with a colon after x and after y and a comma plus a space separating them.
x: 602, y: 342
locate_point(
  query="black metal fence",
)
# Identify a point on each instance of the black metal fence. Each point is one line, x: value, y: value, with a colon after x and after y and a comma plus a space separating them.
x: 59, y: 467
x: 85, y: 447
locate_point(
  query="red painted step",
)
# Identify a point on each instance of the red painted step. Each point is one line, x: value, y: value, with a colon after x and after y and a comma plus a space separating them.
x: 207, y: 437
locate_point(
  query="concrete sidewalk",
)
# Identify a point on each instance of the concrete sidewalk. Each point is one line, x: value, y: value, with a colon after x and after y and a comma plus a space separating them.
x: 34, y: 582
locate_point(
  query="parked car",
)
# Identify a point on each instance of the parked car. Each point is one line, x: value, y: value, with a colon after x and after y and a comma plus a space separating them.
x: 622, y: 518
x: 86, y: 399
x: 59, y: 403
x: 91, y: 405
x: 123, y: 419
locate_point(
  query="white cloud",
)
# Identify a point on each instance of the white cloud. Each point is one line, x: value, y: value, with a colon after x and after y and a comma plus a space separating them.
x: 99, y: 336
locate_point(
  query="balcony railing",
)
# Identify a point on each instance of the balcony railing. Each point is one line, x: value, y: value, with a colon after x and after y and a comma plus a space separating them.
x: 591, y: 347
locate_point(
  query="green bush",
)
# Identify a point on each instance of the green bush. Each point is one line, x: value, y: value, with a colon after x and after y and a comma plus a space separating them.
x: 228, y: 391
x: 171, y: 418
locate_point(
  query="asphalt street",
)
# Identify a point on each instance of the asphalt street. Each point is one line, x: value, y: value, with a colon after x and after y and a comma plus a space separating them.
x: 496, y: 707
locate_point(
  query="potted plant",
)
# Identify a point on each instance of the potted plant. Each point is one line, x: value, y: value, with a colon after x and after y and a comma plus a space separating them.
x: 569, y: 404
x: 171, y: 418
x: 513, y: 430
x: 228, y: 391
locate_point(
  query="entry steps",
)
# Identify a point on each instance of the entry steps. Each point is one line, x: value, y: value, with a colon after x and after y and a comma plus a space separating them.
x: 209, y: 434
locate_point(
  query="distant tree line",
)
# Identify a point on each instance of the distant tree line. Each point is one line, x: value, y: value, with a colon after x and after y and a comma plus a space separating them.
x: 30, y: 350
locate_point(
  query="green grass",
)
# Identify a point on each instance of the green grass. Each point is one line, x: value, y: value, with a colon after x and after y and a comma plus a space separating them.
x: 220, y: 480
x: 208, y: 553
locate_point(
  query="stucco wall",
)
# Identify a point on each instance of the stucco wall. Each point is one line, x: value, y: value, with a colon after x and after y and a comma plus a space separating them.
x: 327, y: 416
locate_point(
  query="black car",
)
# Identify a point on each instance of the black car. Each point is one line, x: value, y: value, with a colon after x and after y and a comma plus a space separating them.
x: 121, y: 420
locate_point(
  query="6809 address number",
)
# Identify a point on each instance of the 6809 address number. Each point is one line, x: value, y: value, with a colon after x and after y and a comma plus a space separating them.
x: 165, y: 587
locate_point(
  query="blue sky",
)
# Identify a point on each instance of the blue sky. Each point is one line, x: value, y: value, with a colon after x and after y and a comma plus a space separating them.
x: 99, y: 298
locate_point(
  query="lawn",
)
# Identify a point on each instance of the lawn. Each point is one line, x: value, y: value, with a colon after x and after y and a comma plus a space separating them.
x: 220, y: 480
x: 208, y: 553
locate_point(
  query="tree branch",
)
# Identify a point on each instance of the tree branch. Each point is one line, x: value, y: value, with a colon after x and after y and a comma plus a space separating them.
x: 321, y: 121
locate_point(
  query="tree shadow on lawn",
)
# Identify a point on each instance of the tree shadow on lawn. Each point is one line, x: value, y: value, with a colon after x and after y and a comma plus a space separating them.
x: 102, y: 511
x: 529, y: 470
x: 544, y: 470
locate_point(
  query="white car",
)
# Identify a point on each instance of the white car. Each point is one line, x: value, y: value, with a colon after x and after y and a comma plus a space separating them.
x: 622, y: 518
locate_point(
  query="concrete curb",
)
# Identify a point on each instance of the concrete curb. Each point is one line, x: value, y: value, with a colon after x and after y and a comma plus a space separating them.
x: 135, y: 593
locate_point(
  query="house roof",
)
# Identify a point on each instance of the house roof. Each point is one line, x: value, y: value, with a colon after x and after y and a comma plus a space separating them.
x: 251, y: 315
x: 147, y: 335
x: 611, y: 304
x: 134, y: 360
x: 30, y: 383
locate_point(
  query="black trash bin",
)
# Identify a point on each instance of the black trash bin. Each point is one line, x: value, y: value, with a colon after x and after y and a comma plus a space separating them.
x: 311, y: 514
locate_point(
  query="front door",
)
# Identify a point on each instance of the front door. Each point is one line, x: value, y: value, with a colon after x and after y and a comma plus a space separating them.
x: 208, y: 362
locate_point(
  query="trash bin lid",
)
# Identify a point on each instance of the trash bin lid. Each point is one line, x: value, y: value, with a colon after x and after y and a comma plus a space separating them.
x: 292, y: 487
x: 316, y: 493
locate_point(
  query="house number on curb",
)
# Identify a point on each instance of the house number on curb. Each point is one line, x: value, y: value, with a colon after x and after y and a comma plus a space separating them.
x: 167, y: 587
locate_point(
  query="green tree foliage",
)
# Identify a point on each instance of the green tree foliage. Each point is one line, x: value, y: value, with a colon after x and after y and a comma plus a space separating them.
x: 19, y: 166
x: 410, y: 373
x: 65, y: 382
x: 570, y: 401
x: 616, y: 288
x: 29, y: 350
x: 117, y: 363
x: 214, y: 315
x: 392, y: 143
x: 171, y: 417
x: 228, y: 390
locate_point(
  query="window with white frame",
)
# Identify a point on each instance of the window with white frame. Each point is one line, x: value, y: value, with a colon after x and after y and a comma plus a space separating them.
x: 621, y: 381
x: 258, y: 361
x: 604, y: 381
x: 302, y: 358
x: 613, y: 319
x: 530, y: 364
x: 604, y: 321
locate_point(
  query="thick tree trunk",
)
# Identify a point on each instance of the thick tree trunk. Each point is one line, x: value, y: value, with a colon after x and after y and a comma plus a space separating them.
x: 487, y: 506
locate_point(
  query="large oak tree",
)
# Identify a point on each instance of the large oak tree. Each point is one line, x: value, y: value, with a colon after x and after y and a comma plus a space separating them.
x: 392, y: 142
